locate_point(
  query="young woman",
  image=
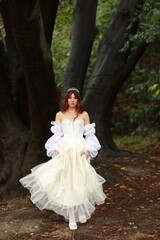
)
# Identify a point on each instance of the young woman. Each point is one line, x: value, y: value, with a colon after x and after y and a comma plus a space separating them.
x: 68, y: 184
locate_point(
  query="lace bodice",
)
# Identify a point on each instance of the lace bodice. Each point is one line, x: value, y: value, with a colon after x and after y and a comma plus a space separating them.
x: 71, y: 128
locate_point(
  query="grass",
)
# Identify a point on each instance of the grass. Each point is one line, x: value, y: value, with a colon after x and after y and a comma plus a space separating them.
x: 139, y: 142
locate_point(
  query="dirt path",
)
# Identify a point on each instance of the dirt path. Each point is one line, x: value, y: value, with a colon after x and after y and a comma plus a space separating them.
x: 131, y: 211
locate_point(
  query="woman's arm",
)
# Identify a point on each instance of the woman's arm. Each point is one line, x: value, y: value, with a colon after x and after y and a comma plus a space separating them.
x: 92, y: 143
x: 58, y: 117
x: 86, y: 121
x: 53, y: 143
x: 86, y: 118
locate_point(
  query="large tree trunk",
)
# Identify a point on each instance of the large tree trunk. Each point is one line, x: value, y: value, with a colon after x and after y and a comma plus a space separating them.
x: 13, y: 137
x: 111, y: 71
x: 15, y: 76
x: 36, y: 59
x: 82, y: 37
x: 13, y: 94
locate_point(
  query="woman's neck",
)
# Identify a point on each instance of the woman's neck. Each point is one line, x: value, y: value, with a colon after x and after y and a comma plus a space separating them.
x: 72, y: 113
x: 72, y: 110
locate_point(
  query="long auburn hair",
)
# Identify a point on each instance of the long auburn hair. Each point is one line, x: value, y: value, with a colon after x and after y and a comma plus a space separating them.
x: 79, y: 108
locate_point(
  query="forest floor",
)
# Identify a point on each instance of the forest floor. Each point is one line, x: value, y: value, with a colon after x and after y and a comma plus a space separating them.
x: 131, y: 210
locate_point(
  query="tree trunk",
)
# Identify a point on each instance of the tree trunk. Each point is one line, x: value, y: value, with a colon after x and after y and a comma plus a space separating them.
x: 15, y: 76
x: 36, y: 60
x: 13, y: 137
x: 83, y: 34
x: 49, y: 12
x: 111, y: 71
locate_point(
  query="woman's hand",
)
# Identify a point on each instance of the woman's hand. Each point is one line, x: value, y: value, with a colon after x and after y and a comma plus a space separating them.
x: 56, y: 152
x: 86, y: 154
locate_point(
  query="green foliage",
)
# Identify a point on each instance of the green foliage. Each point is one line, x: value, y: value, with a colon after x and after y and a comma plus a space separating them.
x: 61, y: 38
x: 149, y: 28
x: 146, y: 82
x: 149, y: 24
x: 140, y: 111
x: 65, y: 13
x: 105, y: 13
x: 60, y: 50
x: 145, y: 111
x: 143, y: 91
x: 155, y: 89
x: 138, y: 141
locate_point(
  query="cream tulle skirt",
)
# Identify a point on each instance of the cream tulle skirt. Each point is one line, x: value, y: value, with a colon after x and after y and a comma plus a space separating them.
x: 66, y: 183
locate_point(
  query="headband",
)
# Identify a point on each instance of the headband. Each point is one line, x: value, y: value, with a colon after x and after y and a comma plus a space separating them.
x: 73, y: 89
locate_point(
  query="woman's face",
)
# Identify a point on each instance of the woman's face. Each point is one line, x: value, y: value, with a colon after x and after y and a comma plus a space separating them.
x: 72, y: 101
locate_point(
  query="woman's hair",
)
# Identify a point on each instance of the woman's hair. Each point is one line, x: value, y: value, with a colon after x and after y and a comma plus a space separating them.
x: 65, y: 106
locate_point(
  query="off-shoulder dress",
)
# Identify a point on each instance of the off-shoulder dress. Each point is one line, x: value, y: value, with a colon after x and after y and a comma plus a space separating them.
x: 68, y: 181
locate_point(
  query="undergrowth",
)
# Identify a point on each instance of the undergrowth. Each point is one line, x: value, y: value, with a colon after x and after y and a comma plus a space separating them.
x: 139, y: 142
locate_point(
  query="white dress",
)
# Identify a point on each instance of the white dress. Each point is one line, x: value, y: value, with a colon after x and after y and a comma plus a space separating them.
x: 67, y: 181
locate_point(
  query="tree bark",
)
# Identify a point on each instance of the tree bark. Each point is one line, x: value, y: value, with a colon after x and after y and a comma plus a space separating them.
x: 83, y: 35
x: 111, y: 71
x: 49, y: 12
x: 14, y: 135
x: 36, y: 59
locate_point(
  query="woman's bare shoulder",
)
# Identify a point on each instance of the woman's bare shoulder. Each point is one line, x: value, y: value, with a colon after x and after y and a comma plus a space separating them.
x: 59, y: 116
x: 85, y: 116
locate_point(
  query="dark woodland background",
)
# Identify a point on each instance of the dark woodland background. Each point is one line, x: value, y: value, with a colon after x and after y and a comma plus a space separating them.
x: 109, y: 50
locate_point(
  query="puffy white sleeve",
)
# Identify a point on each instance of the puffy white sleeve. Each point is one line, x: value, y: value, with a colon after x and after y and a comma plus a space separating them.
x: 92, y: 143
x: 54, y: 142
